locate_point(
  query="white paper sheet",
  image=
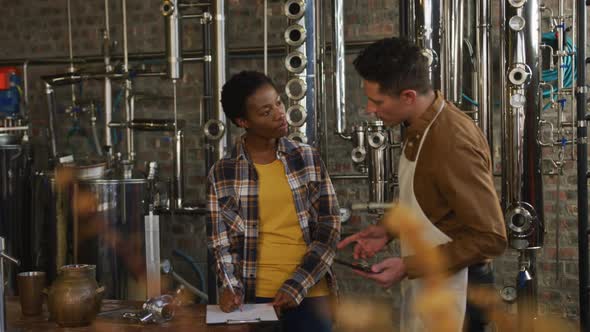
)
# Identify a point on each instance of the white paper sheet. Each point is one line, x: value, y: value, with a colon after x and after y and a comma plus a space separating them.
x: 251, y: 313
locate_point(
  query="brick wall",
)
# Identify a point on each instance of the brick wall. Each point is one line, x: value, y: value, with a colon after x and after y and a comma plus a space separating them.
x: 33, y: 29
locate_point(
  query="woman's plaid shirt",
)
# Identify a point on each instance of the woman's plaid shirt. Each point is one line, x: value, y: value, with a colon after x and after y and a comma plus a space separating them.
x: 233, y: 218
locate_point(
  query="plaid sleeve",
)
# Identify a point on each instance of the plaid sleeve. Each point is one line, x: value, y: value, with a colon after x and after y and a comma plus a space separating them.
x: 218, y: 239
x: 325, y: 235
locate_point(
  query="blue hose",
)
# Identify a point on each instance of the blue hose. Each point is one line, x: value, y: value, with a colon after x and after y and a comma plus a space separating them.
x: 473, y: 102
x: 193, y: 264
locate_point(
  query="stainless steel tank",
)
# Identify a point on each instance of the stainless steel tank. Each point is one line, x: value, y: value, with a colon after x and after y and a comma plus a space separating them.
x: 113, y: 237
x: 15, y: 206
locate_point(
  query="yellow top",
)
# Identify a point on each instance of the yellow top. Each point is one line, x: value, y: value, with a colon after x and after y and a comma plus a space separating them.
x: 281, y: 246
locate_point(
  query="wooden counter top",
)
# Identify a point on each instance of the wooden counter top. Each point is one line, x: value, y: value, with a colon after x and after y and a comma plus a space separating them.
x: 189, y: 318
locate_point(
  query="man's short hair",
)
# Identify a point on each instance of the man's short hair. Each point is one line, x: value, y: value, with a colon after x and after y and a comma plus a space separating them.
x: 396, y: 64
x: 238, y: 89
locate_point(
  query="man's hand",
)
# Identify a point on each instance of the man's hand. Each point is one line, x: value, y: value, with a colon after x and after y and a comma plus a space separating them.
x: 368, y: 241
x: 386, y: 273
x: 230, y: 301
x: 283, y: 301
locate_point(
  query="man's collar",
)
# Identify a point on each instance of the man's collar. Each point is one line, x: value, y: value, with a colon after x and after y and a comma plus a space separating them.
x: 421, y: 123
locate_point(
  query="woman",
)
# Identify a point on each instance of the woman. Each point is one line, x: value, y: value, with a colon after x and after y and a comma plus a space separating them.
x: 273, y: 212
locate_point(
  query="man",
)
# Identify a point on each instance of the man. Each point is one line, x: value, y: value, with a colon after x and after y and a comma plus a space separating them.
x: 445, y: 176
x: 273, y: 213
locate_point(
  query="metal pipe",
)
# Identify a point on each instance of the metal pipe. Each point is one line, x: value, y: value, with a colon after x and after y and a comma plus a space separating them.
x: 71, y: 51
x: 322, y: 105
x: 148, y: 125
x: 484, y: 64
x: 582, y: 163
x: 152, y: 254
x: 51, y: 111
x: 194, y: 59
x: 470, y: 56
x: 108, y: 91
x: 348, y: 176
x: 453, y: 49
x: 129, y: 104
x: 194, y: 55
x: 265, y: 33
x: 125, y: 47
x: 560, y: 46
x: 108, y: 103
x: 173, y: 30
x: 69, y: 78
x: 216, y: 72
x: 131, y: 117
x: 9, y: 129
x: 339, y: 63
x: 193, y: 5
x: 26, y: 83
x: 108, y: 114
x: 192, y: 16
x: 210, y: 155
x: 310, y: 73
x: 503, y: 106
x: 561, y: 53
x: 178, y: 157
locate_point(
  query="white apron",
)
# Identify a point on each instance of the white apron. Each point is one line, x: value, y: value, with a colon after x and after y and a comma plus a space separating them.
x: 411, y: 288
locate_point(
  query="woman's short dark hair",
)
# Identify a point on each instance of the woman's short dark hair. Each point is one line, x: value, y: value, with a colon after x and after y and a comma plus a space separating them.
x: 396, y: 64
x: 238, y: 89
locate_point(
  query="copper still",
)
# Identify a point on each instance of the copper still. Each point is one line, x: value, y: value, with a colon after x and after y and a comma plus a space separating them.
x: 75, y: 298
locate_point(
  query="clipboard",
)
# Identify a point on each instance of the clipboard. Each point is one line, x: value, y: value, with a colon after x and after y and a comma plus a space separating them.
x: 250, y: 314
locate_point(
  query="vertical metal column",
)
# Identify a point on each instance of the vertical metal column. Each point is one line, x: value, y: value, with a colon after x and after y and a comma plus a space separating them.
x: 522, y: 156
x: 484, y: 64
x: 452, y: 60
x: 339, y: 65
x: 210, y: 155
x: 217, y: 74
x: 582, y: 154
x: 310, y: 73
x: 108, y: 90
x: 422, y: 24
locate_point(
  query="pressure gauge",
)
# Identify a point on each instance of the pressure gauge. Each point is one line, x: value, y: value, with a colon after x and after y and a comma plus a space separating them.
x: 519, y: 74
x: 508, y: 294
x: 516, y: 3
x: 517, y: 23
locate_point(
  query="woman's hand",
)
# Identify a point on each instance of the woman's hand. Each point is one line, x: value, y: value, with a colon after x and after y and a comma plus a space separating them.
x: 230, y: 301
x: 283, y: 301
